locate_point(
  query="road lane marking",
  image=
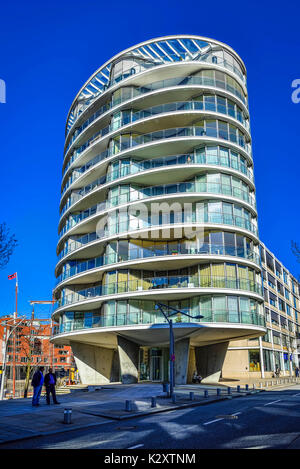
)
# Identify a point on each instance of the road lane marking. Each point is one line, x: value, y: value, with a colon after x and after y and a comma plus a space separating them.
x: 212, y: 421
x: 273, y: 402
x: 230, y: 416
x: 295, y: 395
x: 136, y: 446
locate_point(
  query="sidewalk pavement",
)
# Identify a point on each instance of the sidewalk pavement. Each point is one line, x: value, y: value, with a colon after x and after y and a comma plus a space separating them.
x: 100, y: 405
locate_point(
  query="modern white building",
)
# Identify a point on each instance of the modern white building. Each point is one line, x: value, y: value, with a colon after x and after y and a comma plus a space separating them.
x: 158, y: 205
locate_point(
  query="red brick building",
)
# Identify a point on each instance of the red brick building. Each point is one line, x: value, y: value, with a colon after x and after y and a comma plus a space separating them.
x: 31, y: 341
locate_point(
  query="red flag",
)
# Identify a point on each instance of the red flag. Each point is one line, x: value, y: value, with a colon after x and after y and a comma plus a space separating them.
x: 12, y: 276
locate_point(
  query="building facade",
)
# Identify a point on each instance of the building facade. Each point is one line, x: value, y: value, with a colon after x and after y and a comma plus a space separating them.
x: 31, y: 343
x: 158, y: 205
x: 279, y: 347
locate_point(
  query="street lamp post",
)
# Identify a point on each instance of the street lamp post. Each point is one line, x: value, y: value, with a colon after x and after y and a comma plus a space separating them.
x: 5, y: 351
x: 167, y: 316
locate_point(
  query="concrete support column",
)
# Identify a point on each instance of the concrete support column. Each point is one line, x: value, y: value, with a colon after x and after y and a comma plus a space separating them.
x: 94, y: 363
x: 129, y: 360
x: 209, y: 361
x: 181, y: 360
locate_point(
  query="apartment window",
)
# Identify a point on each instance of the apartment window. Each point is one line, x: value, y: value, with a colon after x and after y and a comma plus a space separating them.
x: 278, y: 269
x: 279, y: 288
x: 270, y: 262
x: 262, y: 253
x: 286, y: 294
x: 281, y: 305
x: 276, y: 338
x: 294, y: 301
x: 271, y: 281
x: 272, y: 299
x: 274, y: 318
x: 267, y: 336
x: 285, y: 277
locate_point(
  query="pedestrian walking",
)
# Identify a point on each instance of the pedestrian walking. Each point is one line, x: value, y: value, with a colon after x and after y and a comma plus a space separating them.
x: 50, y: 382
x: 37, y: 383
x: 297, y: 372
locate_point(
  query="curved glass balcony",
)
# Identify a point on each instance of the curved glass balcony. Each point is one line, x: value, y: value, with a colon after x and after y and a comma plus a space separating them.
x: 206, y: 102
x: 208, y: 79
x: 159, y: 251
x: 210, y: 128
x: 159, y: 283
x: 142, y: 193
x: 146, y: 59
x: 216, y: 156
x: 88, y: 320
x: 124, y: 227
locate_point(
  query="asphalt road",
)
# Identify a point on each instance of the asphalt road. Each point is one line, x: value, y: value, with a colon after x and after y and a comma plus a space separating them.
x: 267, y: 420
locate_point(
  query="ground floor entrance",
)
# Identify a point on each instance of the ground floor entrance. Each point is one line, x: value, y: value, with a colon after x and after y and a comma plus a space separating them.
x: 153, y: 364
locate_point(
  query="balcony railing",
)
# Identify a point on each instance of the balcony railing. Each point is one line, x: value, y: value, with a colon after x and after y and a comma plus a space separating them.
x: 159, y: 251
x: 235, y: 137
x: 89, y: 321
x: 154, y: 191
x: 161, y: 283
x: 176, y: 81
x: 123, y: 227
x: 180, y: 106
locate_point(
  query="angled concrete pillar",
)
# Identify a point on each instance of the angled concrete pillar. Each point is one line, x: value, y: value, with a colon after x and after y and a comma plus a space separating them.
x: 209, y: 361
x: 94, y: 363
x: 181, y: 360
x: 129, y: 360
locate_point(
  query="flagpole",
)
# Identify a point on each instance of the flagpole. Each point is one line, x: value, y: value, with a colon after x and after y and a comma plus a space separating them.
x: 14, y: 340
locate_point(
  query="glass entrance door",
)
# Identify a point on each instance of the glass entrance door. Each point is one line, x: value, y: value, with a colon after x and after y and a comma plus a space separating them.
x: 156, y: 365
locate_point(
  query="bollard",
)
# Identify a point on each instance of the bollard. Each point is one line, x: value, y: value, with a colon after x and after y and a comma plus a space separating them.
x: 153, y: 401
x: 68, y: 415
x: 272, y: 384
x: 128, y: 406
x: 254, y: 386
x: 267, y: 384
x: 238, y: 388
x: 219, y: 392
x: 174, y: 398
x: 206, y: 393
x: 260, y: 385
x: 192, y: 396
x: 247, y: 387
x: 165, y: 387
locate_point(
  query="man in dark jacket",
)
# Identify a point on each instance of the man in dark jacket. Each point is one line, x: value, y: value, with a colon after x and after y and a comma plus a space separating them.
x: 50, y: 382
x: 37, y: 383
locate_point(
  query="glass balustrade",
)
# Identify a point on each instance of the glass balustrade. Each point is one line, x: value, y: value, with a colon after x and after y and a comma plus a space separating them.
x: 214, y: 129
x: 161, y: 282
x: 227, y: 83
x: 158, y: 251
x: 236, y: 162
x: 154, y: 191
x: 164, y: 108
x: 196, y: 131
x: 201, y: 104
x: 91, y: 320
x: 123, y: 227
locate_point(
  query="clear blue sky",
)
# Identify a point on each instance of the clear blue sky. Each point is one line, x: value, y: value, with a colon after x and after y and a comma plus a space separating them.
x: 49, y: 49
